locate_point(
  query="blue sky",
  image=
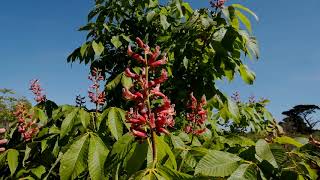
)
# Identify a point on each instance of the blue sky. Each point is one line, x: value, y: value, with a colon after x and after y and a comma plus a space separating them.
x: 37, y: 36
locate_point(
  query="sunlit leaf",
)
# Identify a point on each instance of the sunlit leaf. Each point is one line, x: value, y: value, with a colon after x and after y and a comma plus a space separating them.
x: 12, y: 159
x: 74, y: 161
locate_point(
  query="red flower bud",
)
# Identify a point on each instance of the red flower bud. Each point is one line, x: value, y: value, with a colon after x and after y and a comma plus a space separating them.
x: 141, y: 133
x: 200, y: 131
x: 159, y: 62
x: 128, y: 73
x: 163, y: 130
x: 129, y: 51
x: 154, y: 55
x: 152, y: 121
x: 140, y: 42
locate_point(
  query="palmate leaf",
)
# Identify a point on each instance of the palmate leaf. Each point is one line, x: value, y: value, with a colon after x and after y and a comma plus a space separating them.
x: 245, y: 171
x: 217, y: 164
x: 264, y: 152
x: 97, y: 156
x: 74, y: 161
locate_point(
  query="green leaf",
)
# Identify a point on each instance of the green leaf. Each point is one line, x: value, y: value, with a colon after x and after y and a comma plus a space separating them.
x: 27, y: 153
x: 112, y: 84
x: 122, y: 114
x: 278, y: 153
x: 74, y: 161
x: 68, y: 122
x: 137, y: 158
x: 264, y: 152
x: 239, y: 6
x: 234, y: 110
x: 288, y: 140
x: 13, y: 160
x: 234, y: 140
x: 98, y: 48
x: 150, y: 15
x: 84, y: 118
x: 245, y: 171
x: 244, y: 20
x: 217, y: 163
x: 185, y: 62
x: 178, y: 6
x: 230, y: 14
x: 83, y: 49
x: 38, y: 171
x: 97, y: 156
x: 153, y: 3
x: 126, y: 81
x: 116, y: 41
x: 288, y: 175
x: 3, y: 159
x: 164, y: 23
x: 169, y: 173
x: 252, y: 44
x: 164, y: 150
x: 120, y: 150
x: 247, y: 75
x: 114, y: 123
x: 41, y: 115
x: 177, y: 142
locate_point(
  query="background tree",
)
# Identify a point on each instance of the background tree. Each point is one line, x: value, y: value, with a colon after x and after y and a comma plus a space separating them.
x: 299, y: 119
x: 8, y: 102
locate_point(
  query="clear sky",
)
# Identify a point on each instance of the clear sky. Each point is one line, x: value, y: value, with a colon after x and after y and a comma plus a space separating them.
x: 37, y: 36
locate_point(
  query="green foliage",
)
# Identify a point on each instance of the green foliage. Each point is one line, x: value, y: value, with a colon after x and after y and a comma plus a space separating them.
x: 74, y: 161
x: 202, y: 45
x: 217, y: 164
x: 8, y: 101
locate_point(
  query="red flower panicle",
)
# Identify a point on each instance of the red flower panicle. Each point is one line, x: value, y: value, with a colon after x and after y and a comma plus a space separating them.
x: 94, y: 93
x: 37, y: 91
x: 218, y: 3
x: 27, y: 126
x: 197, y: 116
x: 146, y: 89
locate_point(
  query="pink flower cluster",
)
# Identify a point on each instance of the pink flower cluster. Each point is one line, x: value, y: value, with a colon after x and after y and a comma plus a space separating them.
x: 145, y: 90
x: 94, y: 93
x: 218, y: 3
x: 37, y: 91
x: 197, y: 116
x: 26, y: 126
